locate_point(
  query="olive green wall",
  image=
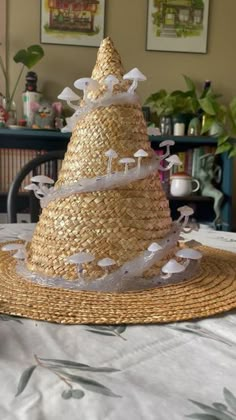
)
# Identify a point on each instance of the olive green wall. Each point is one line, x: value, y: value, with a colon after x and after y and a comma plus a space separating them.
x: 126, y: 24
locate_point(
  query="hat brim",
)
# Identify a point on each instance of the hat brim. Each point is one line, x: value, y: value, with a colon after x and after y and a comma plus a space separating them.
x: 212, y: 291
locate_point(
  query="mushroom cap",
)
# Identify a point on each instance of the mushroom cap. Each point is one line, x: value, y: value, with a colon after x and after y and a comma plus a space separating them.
x: 154, y: 247
x: 111, y: 153
x: 167, y: 143
x: 12, y: 247
x: 140, y: 153
x: 106, y: 262
x: 111, y: 79
x: 20, y: 254
x: 134, y: 74
x: 42, y: 179
x: 172, y: 267
x: 80, y: 257
x: 186, y: 210
x: 174, y: 159
x: 68, y: 95
x: 86, y: 82
x: 31, y: 187
x: 127, y: 160
x: 191, y: 254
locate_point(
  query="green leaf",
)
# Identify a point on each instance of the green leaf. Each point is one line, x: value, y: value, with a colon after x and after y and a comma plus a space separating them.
x: 57, y: 363
x: 203, y: 417
x: 10, y: 318
x: 67, y: 394
x: 78, y: 394
x: 222, y: 139
x: 190, y: 84
x: 214, y: 412
x: 220, y: 406
x: 29, y: 57
x: 121, y: 328
x: 100, y: 332
x: 24, y: 379
x: 208, y: 106
x: 91, y: 385
x: 226, y: 147
x: 230, y: 399
x: 232, y: 154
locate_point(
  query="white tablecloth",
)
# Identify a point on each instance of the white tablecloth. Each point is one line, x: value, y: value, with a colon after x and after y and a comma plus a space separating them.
x: 157, y: 372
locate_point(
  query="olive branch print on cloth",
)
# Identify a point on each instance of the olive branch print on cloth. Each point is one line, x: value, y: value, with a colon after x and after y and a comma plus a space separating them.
x: 112, y: 330
x: 65, y: 371
x: 218, y: 410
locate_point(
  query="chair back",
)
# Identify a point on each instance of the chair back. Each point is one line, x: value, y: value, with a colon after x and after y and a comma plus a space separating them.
x: 49, y: 162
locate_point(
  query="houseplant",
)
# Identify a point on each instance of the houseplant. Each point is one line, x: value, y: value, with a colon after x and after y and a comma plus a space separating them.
x: 28, y: 58
x: 219, y: 119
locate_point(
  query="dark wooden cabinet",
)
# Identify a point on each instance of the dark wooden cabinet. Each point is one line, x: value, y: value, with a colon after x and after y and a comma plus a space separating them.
x: 55, y: 140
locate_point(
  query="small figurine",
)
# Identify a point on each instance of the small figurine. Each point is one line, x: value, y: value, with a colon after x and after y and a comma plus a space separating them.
x: 45, y: 113
x: 31, y: 79
x: 209, y: 174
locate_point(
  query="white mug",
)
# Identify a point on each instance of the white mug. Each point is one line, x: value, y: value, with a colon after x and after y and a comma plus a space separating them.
x: 182, y: 184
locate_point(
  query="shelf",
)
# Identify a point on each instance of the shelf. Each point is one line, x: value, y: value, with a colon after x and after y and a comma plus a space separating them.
x: 198, y: 198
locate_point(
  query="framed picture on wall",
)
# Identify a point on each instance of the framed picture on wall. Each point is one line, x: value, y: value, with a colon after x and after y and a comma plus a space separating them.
x: 72, y: 22
x: 177, y: 25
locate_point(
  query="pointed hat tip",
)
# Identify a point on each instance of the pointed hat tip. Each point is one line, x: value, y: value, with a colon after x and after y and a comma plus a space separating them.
x: 108, y: 61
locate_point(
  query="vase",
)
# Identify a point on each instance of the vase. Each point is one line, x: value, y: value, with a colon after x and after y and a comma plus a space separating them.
x: 11, y: 113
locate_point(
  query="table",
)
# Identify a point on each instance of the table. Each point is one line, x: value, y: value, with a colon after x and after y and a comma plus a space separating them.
x: 157, y: 372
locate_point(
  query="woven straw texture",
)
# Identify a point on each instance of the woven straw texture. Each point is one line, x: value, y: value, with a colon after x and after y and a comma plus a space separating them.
x: 212, y: 291
x: 118, y: 223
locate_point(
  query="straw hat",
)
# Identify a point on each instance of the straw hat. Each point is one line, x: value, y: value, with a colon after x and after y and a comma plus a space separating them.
x: 114, y: 224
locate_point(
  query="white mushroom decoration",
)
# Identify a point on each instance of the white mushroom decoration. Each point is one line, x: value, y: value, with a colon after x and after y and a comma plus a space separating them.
x: 106, y: 263
x: 111, y: 154
x: 172, y: 160
x: 188, y: 254
x: 136, y: 76
x: 68, y: 95
x: 167, y: 144
x: 140, y: 154
x: 110, y: 81
x: 19, y: 248
x: 126, y: 162
x: 86, y: 84
x: 185, y: 212
x: 79, y: 259
x: 154, y: 247
x: 171, y: 267
x: 42, y: 189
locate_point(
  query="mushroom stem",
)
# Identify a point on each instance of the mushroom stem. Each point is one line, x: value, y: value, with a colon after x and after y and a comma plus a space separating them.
x: 126, y: 168
x: 165, y: 276
x: 139, y: 163
x: 166, y: 154
x: 109, y: 165
x: 80, y: 271
x: 75, y: 107
x: 133, y: 86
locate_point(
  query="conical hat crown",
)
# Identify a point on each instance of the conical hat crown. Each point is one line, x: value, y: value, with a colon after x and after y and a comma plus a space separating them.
x: 108, y: 61
x: 117, y: 223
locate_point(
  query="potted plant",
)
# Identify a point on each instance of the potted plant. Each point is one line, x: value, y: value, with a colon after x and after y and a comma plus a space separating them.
x: 217, y: 119
x: 28, y: 58
x: 179, y: 105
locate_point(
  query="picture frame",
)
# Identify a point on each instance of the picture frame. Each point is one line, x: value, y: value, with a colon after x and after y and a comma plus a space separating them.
x: 177, y: 25
x: 72, y: 22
